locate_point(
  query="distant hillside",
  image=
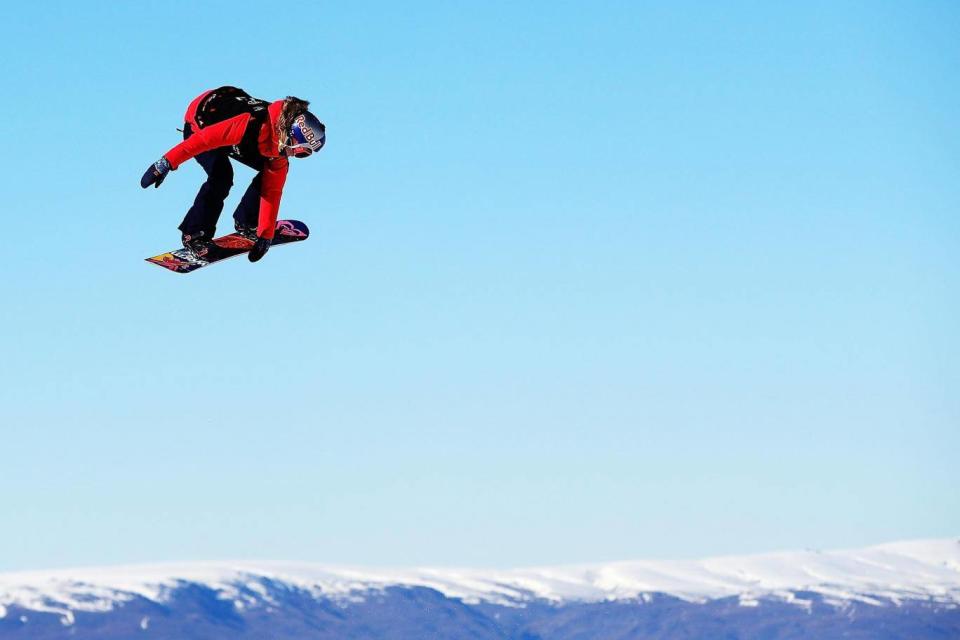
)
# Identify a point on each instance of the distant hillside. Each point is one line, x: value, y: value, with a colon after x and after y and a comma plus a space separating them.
x: 903, y: 590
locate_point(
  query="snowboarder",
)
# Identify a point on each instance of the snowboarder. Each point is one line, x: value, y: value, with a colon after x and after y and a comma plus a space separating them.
x: 228, y: 123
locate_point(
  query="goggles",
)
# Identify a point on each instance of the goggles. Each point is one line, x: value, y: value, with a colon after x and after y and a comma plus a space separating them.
x: 301, y: 150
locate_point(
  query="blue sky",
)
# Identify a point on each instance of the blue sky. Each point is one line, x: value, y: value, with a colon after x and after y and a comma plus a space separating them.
x: 586, y: 282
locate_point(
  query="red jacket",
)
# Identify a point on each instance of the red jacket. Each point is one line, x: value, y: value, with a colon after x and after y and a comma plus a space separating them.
x: 229, y: 133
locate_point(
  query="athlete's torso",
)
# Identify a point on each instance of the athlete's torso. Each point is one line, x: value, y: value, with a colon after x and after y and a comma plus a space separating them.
x: 228, y: 102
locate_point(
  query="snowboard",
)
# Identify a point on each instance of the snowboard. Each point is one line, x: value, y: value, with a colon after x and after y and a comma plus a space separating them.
x: 229, y: 246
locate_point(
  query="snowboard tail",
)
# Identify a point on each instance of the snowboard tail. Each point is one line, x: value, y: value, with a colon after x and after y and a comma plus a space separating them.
x: 228, y: 246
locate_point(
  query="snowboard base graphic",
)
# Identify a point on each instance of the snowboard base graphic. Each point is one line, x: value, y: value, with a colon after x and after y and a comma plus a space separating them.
x: 183, y: 260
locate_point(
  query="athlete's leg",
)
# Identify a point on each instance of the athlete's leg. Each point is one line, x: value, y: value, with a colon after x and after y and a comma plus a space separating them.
x: 248, y: 211
x: 208, y: 204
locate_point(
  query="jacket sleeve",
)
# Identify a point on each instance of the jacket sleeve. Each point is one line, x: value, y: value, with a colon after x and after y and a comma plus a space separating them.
x: 223, y: 134
x: 271, y: 189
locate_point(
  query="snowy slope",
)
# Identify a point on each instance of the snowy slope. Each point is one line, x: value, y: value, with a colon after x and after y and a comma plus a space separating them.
x: 926, y: 570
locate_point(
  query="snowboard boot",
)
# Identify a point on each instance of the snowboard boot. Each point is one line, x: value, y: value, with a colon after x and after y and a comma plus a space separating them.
x: 250, y: 233
x: 200, y: 244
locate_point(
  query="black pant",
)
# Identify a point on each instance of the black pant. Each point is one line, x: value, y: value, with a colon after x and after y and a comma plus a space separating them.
x: 208, y: 205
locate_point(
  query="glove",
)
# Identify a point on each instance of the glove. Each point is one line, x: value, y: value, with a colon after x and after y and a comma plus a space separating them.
x: 259, y: 249
x: 156, y: 173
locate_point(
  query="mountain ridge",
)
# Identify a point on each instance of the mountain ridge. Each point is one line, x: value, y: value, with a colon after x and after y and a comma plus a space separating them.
x: 885, y: 592
x: 918, y: 569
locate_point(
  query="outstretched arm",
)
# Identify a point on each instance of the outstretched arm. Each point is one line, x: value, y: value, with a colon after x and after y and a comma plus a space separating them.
x: 271, y: 190
x: 223, y: 134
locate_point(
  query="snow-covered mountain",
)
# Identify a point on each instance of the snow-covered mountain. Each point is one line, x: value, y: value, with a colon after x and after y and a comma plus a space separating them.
x: 891, y: 585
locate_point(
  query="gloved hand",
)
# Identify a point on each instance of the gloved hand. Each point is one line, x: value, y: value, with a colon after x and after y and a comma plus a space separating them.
x: 259, y: 249
x: 156, y: 173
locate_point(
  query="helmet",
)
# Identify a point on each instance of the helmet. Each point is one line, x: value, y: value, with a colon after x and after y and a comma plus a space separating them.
x: 307, y: 134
